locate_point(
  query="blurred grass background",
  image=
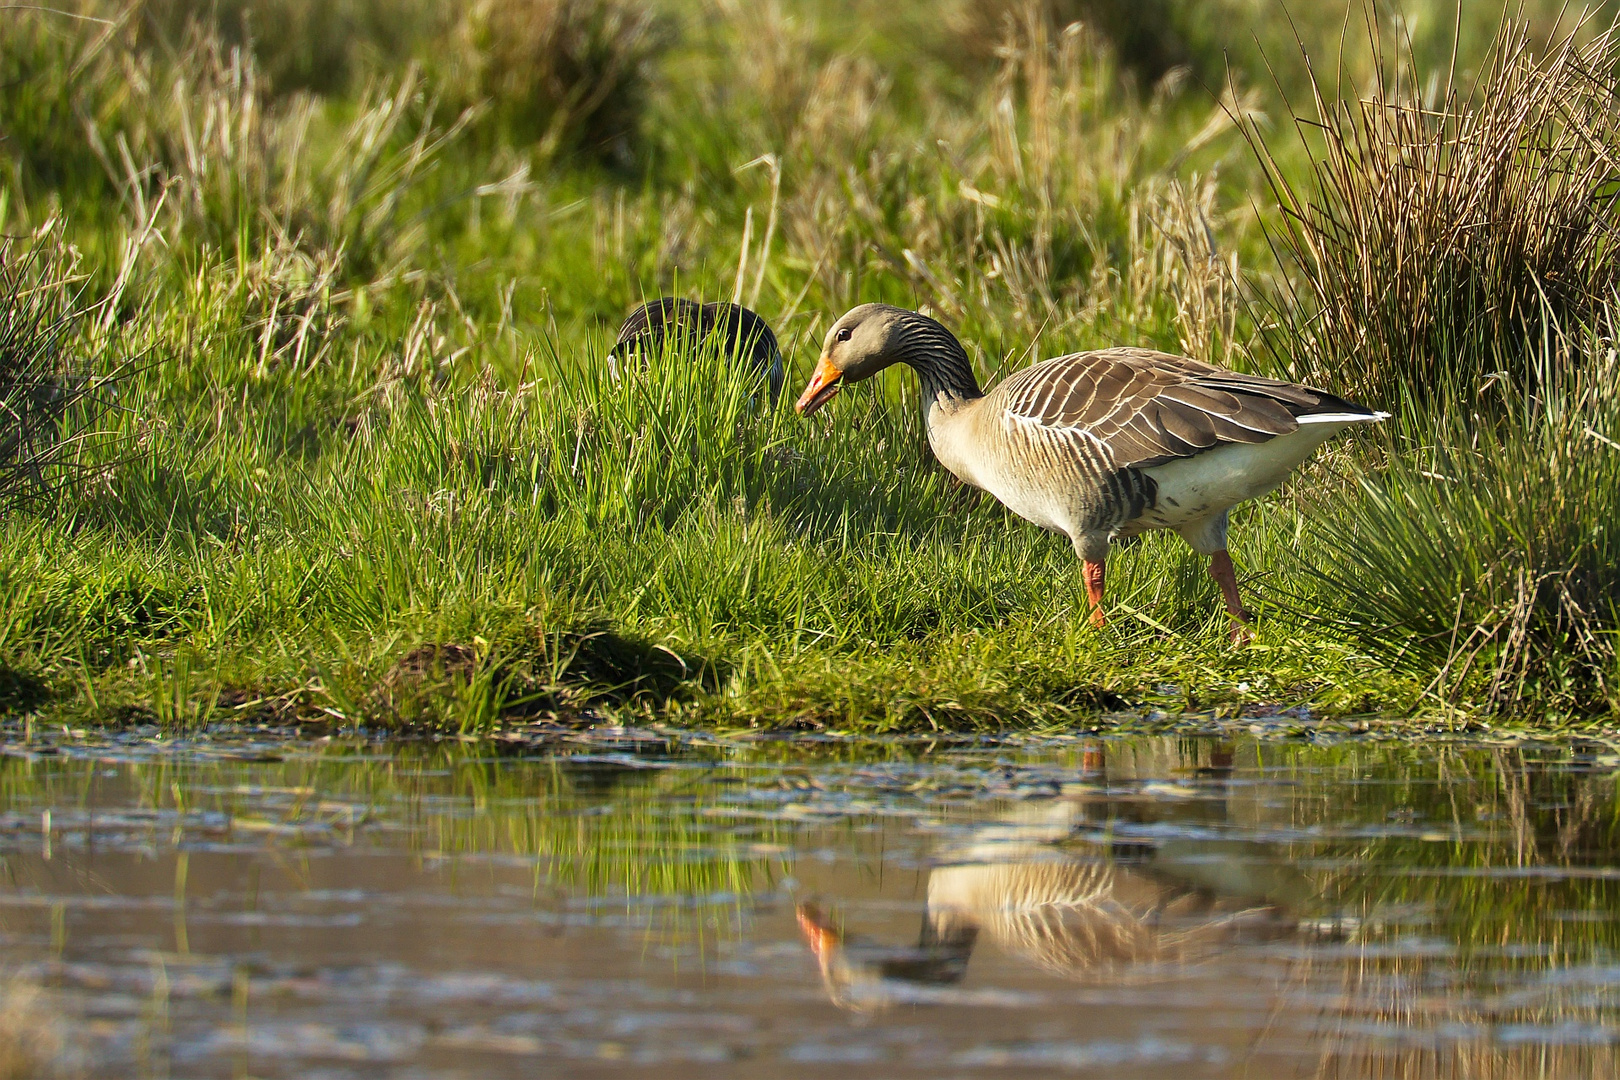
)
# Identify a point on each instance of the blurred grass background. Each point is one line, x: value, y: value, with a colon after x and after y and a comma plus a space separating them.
x: 305, y: 305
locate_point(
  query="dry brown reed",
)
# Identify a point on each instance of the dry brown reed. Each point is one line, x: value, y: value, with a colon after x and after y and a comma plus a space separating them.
x: 1447, y: 229
x: 1181, y: 256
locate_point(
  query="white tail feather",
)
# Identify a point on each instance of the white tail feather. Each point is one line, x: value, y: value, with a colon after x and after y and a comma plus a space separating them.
x: 1343, y: 418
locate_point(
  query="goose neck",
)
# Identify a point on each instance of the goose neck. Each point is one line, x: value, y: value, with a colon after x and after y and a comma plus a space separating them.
x: 941, y: 364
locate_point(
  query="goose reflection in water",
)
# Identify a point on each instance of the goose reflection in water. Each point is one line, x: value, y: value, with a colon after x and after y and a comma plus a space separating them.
x: 1090, y: 909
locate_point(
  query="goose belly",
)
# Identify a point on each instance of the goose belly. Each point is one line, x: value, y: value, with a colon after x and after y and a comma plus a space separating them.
x: 1063, y: 498
x: 1193, y: 488
x: 1044, y: 501
x: 1024, y: 495
x: 1032, y: 503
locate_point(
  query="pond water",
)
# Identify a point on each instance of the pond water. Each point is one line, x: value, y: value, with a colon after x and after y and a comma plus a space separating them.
x: 690, y: 907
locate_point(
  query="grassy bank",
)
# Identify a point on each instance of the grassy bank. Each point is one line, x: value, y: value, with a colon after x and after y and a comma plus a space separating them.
x: 308, y: 345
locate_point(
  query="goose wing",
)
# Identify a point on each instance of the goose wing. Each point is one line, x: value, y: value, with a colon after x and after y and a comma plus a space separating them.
x: 1140, y: 408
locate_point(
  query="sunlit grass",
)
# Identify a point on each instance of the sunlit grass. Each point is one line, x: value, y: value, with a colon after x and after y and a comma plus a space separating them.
x: 368, y: 419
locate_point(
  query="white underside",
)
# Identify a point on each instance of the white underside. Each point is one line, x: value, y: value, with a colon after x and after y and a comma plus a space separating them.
x: 1193, y: 489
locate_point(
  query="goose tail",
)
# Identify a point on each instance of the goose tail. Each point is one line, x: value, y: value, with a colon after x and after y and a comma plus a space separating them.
x: 1369, y: 417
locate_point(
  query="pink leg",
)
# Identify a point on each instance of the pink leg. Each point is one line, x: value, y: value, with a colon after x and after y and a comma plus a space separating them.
x: 1094, y: 590
x: 1221, y: 569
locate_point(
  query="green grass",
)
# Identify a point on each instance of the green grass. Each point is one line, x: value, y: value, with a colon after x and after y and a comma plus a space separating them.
x: 361, y: 415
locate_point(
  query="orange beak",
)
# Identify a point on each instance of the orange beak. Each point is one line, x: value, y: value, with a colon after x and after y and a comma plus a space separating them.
x: 824, y: 386
x: 818, y: 932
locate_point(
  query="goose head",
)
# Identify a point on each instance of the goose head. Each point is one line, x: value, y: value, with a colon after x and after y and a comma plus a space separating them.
x: 866, y: 340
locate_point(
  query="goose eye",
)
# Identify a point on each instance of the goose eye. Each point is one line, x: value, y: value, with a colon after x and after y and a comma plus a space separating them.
x: 843, y: 335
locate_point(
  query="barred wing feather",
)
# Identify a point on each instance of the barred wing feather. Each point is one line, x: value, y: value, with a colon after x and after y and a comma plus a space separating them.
x: 1141, y: 408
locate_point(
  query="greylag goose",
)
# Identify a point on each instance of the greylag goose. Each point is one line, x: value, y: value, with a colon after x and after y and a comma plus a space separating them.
x: 1099, y: 446
x: 743, y: 334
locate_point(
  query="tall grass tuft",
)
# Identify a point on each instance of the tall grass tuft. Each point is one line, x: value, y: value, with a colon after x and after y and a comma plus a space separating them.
x: 1489, y: 560
x: 61, y: 86
x: 1449, y: 225
x: 1046, y: 206
x: 1452, y: 256
x: 565, y: 75
x: 188, y: 142
x: 1152, y: 38
x: 569, y: 75
x: 232, y: 170
x: 318, y: 46
x: 42, y: 381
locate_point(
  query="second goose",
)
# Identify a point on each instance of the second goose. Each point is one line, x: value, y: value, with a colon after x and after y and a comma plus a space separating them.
x: 1099, y: 446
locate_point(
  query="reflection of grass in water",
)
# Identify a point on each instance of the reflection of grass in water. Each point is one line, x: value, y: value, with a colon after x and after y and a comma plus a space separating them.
x: 1406, y: 1016
x: 645, y: 837
x: 648, y: 839
x: 1506, y: 844
x: 1461, y: 964
x: 1465, y: 958
x: 1464, y: 962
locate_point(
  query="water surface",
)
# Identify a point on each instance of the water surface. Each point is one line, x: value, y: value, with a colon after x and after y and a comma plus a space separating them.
x: 1134, y: 907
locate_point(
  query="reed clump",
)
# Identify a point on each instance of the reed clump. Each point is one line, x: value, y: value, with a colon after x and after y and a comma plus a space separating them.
x: 1454, y: 260
x: 1448, y: 226
x: 1488, y: 559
